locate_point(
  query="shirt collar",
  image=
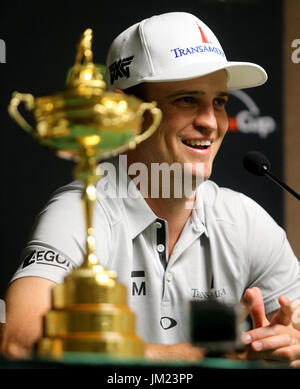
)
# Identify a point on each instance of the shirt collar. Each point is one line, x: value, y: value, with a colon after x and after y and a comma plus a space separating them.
x: 198, y: 213
x: 138, y: 212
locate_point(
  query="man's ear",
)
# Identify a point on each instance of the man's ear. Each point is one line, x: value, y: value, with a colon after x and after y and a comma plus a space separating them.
x: 119, y: 91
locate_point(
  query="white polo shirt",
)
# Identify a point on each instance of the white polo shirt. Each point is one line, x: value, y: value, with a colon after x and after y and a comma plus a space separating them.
x: 228, y: 244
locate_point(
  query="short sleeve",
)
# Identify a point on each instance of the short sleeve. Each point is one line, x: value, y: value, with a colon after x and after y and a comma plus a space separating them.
x: 57, y: 243
x: 273, y: 267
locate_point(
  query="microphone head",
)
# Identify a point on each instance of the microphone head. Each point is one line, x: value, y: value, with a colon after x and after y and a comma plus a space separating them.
x: 256, y: 162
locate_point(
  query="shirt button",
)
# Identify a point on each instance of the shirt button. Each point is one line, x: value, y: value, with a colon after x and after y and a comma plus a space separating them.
x: 158, y: 225
x: 169, y: 277
x: 160, y: 248
x: 196, y: 227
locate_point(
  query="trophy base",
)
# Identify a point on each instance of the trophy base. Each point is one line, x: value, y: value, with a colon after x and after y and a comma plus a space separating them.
x: 109, y: 343
x: 89, y: 318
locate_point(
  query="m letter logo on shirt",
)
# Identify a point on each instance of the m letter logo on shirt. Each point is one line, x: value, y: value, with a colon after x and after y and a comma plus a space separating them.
x: 138, y: 288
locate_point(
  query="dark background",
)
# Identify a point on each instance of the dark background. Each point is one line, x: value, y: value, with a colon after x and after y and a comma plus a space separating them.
x: 40, y: 42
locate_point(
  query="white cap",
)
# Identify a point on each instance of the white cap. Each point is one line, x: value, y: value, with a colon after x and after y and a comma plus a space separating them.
x: 173, y: 46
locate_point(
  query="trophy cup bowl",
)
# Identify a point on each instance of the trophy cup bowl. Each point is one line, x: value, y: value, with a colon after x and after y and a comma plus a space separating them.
x: 85, y: 123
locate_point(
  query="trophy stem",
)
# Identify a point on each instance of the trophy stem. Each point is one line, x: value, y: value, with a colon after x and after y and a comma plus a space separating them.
x: 88, y: 199
x: 88, y: 172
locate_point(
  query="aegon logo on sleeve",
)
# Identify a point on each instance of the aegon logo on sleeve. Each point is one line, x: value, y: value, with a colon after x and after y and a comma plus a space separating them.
x: 47, y: 257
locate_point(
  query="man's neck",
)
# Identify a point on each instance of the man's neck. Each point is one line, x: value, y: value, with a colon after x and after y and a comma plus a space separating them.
x: 173, y: 208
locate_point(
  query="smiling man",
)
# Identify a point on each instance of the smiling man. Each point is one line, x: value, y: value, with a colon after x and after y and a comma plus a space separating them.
x: 169, y: 250
x: 194, y: 121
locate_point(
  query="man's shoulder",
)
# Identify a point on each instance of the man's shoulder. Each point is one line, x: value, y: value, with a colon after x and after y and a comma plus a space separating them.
x: 68, y: 198
x: 227, y: 203
x: 213, y: 194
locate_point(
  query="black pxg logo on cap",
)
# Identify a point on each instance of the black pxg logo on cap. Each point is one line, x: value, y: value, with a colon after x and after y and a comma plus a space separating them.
x: 120, y: 69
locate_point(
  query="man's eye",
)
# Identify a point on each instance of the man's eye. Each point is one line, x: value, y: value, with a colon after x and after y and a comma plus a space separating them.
x: 220, y: 102
x: 185, y: 101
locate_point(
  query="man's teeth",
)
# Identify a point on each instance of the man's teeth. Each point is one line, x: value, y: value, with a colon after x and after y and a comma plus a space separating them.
x: 194, y: 142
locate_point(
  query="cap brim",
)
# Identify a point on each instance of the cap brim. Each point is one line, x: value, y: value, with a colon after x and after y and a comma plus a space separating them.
x: 241, y: 75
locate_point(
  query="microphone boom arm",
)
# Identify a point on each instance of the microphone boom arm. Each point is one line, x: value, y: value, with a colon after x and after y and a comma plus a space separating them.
x: 267, y: 173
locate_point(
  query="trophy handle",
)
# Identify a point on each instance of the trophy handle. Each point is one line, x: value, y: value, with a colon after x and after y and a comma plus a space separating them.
x: 29, y: 102
x: 156, y: 116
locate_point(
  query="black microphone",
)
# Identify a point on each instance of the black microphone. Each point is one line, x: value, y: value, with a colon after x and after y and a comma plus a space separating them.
x: 257, y: 163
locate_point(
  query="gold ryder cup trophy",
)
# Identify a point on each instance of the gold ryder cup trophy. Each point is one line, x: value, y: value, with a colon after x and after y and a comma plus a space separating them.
x: 85, y: 123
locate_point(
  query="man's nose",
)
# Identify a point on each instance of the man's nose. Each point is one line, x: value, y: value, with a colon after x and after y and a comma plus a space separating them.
x: 206, y: 118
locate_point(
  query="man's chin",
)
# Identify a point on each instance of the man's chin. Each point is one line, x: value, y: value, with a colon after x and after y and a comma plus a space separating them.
x: 201, y: 174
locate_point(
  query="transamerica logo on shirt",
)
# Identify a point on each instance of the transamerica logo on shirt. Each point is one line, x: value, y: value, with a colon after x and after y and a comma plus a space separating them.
x: 207, y: 294
x: 47, y: 257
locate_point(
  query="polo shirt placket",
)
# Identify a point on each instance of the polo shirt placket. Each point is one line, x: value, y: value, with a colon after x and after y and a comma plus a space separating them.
x: 170, y: 316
